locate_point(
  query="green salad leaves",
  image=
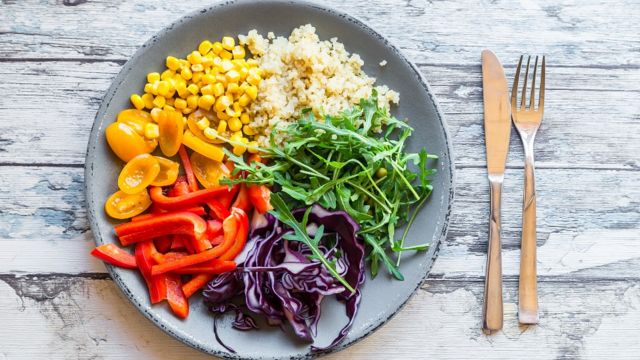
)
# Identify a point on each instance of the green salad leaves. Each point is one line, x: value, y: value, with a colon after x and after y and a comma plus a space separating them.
x: 356, y: 162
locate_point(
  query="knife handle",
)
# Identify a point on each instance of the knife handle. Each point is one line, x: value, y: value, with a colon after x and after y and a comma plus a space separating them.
x: 492, y: 309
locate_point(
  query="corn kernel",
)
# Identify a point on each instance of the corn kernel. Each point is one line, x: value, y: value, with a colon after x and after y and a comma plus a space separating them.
x: 210, y: 133
x: 181, y: 88
x: 180, y: 104
x: 197, y: 68
x: 204, y: 47
x: 218, y: 89
x: 159, y: 101
x: 203, y: 123
x: 167, y: 74
x: 252, y: 91
x: 193, y: 89
x: 244, y: 72
x: 192, y: 101
x: 225, y: 55
x: 244, y: 118
x: 208, y: 79
x: 236, y: 136
x: 151, y: 131
x: 248, y: 130
x: 148, y: 88
x: 205, y: 101
x: 222, y: 126
x: 221, y: 79
x: 254, y: 79
x: 168, y: 108
x: 172, y: 63
x: 226, y: 65
x: 244, y: 100
x: 222, y: 103
x: 184, y: 63
x: 235, y: 124
x: 163, y: 88
x: 187, y: 111
x: 153, y: 76
x: 186, y: 74
x: 216, y: 47
x: 238, y: 52
x: 252, y: 63
x: 233, y: 88
x: 207, y: 90
x: 222, y: 115
x: 237, y: 108
x: 252, y: 148
x: 207, y: 61
x: 239, y: 150
x: 195, y: 57
x: 155, y: 114
x: 197, y: 76
x: 148, y: 100
x: 169, y: 101
x: 244, y: 140
x: 233, y: 76
x: 228, y: 43
x: 137, y: 101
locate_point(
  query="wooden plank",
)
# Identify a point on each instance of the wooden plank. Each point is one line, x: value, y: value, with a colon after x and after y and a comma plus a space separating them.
x: 87, y: 318
x: 584, y: 231
x: 439, y: 32
x: 571, y: 134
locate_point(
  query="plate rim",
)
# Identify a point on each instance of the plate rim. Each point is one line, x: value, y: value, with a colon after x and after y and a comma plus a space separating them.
x: 120, y: 77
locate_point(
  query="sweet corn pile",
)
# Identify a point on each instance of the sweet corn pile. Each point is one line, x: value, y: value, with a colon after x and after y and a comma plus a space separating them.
x: 212, y: 88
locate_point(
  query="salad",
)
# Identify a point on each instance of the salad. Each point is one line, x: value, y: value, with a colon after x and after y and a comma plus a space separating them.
x: 265, y: 173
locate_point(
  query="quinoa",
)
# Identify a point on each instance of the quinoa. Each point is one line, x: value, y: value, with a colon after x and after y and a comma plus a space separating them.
x: 303, y: 72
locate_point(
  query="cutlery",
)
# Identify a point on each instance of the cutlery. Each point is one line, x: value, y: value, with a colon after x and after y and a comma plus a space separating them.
x: 527, y: 121
x: 497, y: 129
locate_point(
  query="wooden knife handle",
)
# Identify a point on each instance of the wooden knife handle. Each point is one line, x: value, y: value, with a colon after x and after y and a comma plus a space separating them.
x: 492, y: 309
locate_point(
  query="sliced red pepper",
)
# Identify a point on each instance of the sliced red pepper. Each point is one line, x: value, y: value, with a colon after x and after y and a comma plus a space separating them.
x: 163, y: 243
x: 241, y: 235
x: 227, y: 199
x: 114, y: 255
x: 187, y: 200
x: 156, y: 284
x: 218, y: 209
x: 198, y: 210
x: 163, y: 224
x: 175, y: 297
x: 215, y: 266
x: 242, y: 200
x: 177, y: 243
x: 217, y: 240
x: 260, y: 197
x: 188, y: 171
x: 214, y: 228
x: 196, y: 283
x: 180, y: 187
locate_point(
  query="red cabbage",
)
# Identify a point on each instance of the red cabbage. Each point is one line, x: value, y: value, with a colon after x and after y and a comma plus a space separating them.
x: 277, y: 280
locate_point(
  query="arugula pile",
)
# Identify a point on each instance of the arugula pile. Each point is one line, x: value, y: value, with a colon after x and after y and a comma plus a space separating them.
x: 341, y: 162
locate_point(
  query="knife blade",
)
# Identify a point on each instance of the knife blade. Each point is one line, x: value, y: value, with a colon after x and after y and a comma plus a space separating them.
x: 497, y: 129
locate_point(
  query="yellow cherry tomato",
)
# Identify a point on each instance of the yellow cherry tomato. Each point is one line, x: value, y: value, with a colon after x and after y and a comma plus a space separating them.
x: 207, y: 171
x: 126, y: 143
x: 121, y: 205
x: 168, y: 172
x: 171, y: 130
x: 211, y: 151
x: 196, y: 116
x: 136, y: 119
x: 139, y: 173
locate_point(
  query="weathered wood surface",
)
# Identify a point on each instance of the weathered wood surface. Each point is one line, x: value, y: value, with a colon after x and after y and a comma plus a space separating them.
x: 57, y: 58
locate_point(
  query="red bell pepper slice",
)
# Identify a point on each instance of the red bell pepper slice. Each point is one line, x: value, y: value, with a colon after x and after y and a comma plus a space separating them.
x: 242, y: 200
x: 215, y: 266
x: 114, y: 255
x: 175, y: 297
x: 188, y: 200
x: 177, y: 243
x: 163, y: 224
x: 156, y: 284
x: 219, y: 211
x: 198, y: 210
x: 260, y: 197
x: 196, y: 283
x: 227, y: 199
x: 217, y: 240
x: 188, y: 170
x: 214, y: 228
x: 241, y: 235
x: 163, y: 243
x: 180, y: 187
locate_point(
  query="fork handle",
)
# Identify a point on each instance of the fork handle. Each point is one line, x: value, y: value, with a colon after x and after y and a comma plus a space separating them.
x: 492, y: 309
x: 528, y: 286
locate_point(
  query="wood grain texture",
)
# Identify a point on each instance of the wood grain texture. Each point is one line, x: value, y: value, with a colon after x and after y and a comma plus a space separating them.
x: 57, y: 58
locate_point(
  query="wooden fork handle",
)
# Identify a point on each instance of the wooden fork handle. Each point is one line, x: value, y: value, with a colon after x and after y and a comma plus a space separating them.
x: 528, y: 286
x: 492, y: 308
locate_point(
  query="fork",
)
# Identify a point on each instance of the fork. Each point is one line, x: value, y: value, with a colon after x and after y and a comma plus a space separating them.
x: 527, y: 120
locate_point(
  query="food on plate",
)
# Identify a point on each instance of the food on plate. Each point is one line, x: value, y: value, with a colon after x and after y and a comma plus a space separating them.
x: 267, y: 173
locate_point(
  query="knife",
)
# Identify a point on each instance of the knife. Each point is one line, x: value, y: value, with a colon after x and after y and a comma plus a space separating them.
x: 497, y: 130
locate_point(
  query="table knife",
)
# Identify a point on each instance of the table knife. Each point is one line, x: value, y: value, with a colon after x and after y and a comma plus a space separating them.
x: 497, y: 130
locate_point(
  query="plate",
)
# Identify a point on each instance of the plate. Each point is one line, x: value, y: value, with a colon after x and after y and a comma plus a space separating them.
x: 383, y: 296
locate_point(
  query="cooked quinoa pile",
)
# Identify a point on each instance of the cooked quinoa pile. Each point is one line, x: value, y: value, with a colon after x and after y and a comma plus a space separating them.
x: 303, y: 72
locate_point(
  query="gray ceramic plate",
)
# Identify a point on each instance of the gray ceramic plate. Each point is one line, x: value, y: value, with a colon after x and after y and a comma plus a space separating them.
x: 382, y: 297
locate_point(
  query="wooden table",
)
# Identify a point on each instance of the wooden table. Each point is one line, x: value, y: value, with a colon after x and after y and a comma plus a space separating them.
x: 57, y: 59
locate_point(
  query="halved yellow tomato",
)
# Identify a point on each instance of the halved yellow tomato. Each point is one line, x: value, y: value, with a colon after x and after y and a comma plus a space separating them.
x: 121, y: 205
x: 139, y: 173
x: 196, y: 116
x: 168, y: 172
x: 171, y: 130
x: 136, y: 119
x: 208, y: 171
x: 126, y: 143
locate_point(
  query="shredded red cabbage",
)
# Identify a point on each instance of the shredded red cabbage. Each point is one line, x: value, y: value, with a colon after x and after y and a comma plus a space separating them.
x: 277, y: 279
